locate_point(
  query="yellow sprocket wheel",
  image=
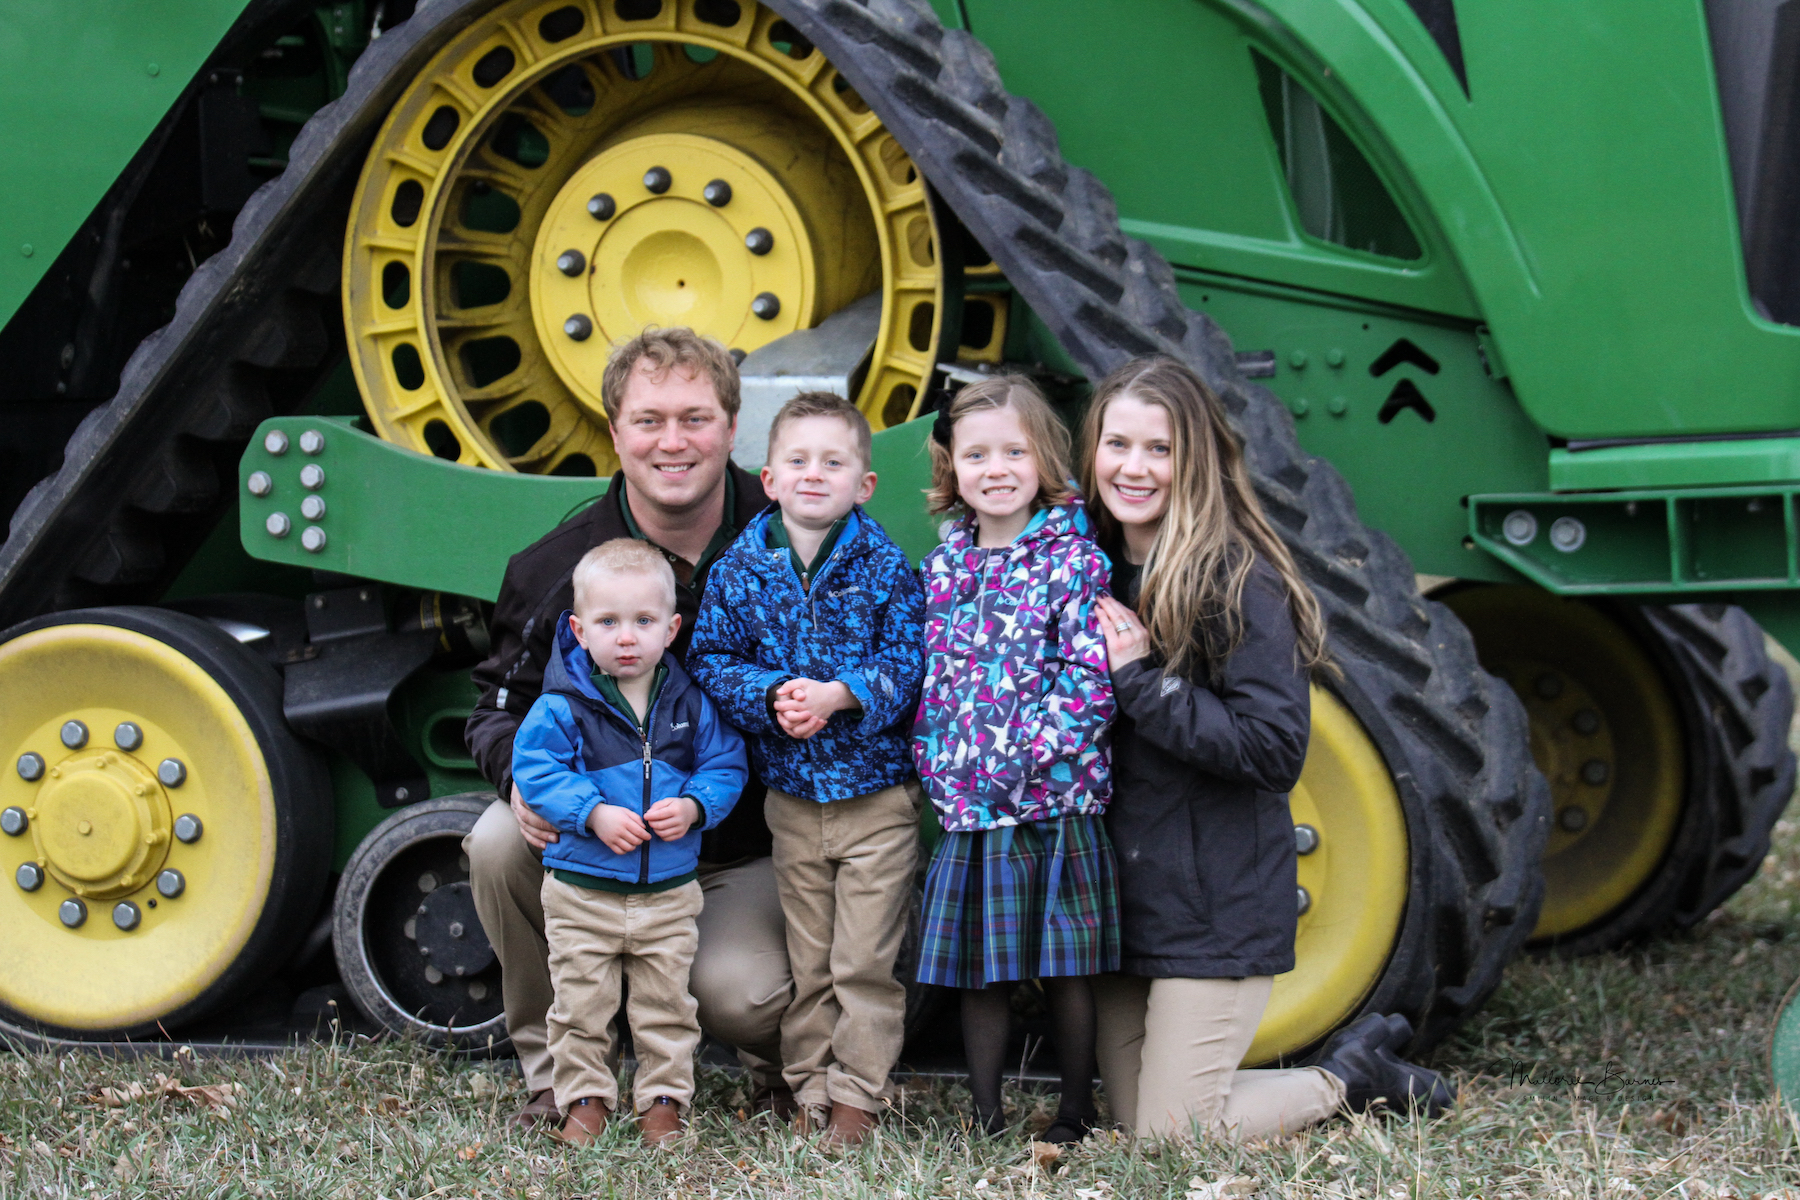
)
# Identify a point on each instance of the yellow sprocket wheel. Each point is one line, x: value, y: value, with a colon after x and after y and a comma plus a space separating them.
x: 561, y: 176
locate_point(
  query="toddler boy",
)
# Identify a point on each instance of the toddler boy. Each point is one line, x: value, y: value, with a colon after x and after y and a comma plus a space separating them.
x: 810, y: 638
x: 630, y: 761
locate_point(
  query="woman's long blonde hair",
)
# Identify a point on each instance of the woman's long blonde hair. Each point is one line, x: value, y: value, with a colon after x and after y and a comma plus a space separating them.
x: 1191, y: 597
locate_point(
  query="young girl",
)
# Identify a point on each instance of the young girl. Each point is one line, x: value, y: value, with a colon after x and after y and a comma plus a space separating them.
x: 1010, y: 740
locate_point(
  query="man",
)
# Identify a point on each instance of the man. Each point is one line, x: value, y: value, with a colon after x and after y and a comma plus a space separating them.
x: 671, y: 398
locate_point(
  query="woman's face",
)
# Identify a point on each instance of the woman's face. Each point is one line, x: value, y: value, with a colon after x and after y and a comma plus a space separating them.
x: 1134, y: 461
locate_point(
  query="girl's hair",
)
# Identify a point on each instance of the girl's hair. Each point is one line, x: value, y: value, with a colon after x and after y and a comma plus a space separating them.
x: 1212, y: 531
x: 1047, y: 437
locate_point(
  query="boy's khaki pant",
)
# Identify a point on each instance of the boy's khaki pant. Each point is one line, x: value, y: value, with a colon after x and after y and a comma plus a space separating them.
x: 649, y: 938
x: 845, y: 873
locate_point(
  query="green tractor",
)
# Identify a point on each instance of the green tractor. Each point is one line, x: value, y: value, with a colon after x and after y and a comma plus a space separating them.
x: 304, y: 312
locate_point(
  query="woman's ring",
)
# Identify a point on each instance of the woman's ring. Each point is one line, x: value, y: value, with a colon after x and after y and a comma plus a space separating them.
x: 1122, y: 627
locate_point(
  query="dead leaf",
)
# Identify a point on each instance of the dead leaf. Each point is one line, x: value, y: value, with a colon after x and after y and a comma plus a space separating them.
x: 1219, y: 1189
x: 390, y: 1104
x: 1043, y: 1154
x: 469, y: 1153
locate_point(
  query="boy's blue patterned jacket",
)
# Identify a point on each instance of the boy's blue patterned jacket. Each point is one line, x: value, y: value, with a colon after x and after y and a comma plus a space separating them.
x: 575, y: 750
x: 861, y: 623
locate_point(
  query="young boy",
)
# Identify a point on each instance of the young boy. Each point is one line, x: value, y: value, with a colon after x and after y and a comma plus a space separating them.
x: 630, y: 761
x: 810, y: 640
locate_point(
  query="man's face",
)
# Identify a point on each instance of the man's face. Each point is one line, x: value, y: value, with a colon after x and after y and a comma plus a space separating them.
x: 816, y: 472
x: 673, y: 438
x: 626, y: 622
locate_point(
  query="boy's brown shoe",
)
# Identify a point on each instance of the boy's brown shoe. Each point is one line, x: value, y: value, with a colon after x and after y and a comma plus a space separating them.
x: 661, y: 1122
x: 586, y: 1122
x: 541, y: 1109
x: 847, y: 1128
x: 776, y: 1100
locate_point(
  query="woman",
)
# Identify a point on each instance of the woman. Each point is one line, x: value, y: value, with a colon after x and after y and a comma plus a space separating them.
x: 1211, y: 640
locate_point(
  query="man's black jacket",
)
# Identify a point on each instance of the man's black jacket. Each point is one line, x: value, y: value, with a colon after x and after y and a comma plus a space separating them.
x: 535, y: 592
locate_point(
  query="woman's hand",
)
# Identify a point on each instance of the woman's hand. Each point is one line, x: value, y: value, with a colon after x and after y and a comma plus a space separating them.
x: 1126, y: 638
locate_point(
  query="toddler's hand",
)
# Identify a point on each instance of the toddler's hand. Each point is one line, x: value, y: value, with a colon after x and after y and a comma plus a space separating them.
x: 619, y: 829
x: 673, y: 816
x: 803, y: 706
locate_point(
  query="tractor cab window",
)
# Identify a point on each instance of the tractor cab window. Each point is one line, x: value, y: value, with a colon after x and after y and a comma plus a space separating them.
x: 1336, y: 193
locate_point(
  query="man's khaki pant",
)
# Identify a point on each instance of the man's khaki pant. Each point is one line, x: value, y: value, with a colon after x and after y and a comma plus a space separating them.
x: 1169, y: 1050
x: 740, y: 976
x: 595, y: 939
x: 845, y: 873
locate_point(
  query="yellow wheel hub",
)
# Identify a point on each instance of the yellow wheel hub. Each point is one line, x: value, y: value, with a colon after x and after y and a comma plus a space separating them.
x: 123, y: 897
x: 478, y: 336
x: 1353, y: 876
x: 1606, y: 735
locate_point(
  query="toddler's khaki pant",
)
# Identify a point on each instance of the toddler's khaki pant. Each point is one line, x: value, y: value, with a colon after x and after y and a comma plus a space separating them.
x: 845, y: 873
x: 649, y: 938
x: 1169, y: 1051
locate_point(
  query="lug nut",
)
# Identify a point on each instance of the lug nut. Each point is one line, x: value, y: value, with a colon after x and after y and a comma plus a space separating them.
x: 29, y: 877
x: 312, y: 539
x: 658, y: 180
x: 128, y: 736
x: 13, y: 821
x: 766, y: 305
x: 278, y: 524
x: 275, y: 442
x: 188, y: 829
x: 74, y: 734
x: 31, y: 767
x: 601, y: 207
x: 717, y: 193
x: 1306, y: 839
x: 260, y: 483
x: 313, y: 508
x: 312, y: 477
x: 1594, y: 772
x: 126, y: 915
x: 578, y: 327
x: 312, y: 442
x: 1304, y: 898
x: 172, y: 772
x: 171, y: 883
x: 759, y: 241
x: 571, y: 263
x: 1572, y: 819
x: 456, y: 929
x: 72, y: 913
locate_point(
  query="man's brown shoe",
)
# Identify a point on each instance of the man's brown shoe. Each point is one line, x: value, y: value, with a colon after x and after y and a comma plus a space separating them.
x: 586, y: 1122
x: 848, y: 1127
x: 776, y: 1100
x: 539, y: 1110
x: 661, y: 1122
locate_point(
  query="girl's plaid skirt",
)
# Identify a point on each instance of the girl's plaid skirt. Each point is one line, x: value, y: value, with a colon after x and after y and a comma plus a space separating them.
x: 1020, y: 902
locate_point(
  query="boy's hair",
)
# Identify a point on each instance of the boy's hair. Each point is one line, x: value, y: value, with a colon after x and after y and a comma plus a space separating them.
x: 667, y: 349
x: 621, y: 556
x: 1045, y: 434
x: 825, y: 404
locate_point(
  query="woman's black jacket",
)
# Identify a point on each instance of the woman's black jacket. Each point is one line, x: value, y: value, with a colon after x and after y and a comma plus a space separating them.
x: 1199, y: 814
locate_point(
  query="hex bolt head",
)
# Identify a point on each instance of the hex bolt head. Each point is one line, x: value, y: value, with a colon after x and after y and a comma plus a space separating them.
x: 759, y: 241
x: 13, y: 821
x: 602, y: 207
x: 312, y: 539
x: 313, y: 508
x: 312, y: 477
x: 1595, y: 772
x: 658, y: 180
x: 571, y: 263
x: 188, y: 829
x: 1338, y: 406
x: 170, y: 883
x: 1300, y: 406
x: 126, y: 915
x: 717, y: 193
x: 31, y: 766
x: 278, y: 524
x: 74, y: 734
x: 260, y: 483
x: 456, y: 929
x: 312, y: 442
x: 1297, y: 360
x: 1567, y: 534
x: 767, y: 305
x: 172, y: 772
x: 275, y: 442
x: 1572, y: 819
x: 578, y: 327
x: 29, y: 877
x: 1519, y: 527
x: 1586, y: 722
x: 1334, y: 357
x: 1304, y: 899
x: 72, y: 912
x: 1306, y: 839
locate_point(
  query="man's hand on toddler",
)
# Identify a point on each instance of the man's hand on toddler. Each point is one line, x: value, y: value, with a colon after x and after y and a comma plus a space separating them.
x: 619, y: 829
x: 803, y: 706
x: 673, y: 816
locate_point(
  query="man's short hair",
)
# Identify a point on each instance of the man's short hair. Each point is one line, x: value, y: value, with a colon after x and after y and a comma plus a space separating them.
x: 825, y: 404
x: 667, y: 350
x: 621, y: 556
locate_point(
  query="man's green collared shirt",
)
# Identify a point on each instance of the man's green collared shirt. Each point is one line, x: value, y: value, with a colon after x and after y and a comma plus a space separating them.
x: 691, y: 576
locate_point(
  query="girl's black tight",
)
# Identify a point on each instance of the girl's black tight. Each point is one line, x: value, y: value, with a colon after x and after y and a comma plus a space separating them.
x: 986, y: 1025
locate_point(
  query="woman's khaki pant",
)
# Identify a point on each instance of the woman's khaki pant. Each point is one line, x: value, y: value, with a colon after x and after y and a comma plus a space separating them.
x: 1169, y: 1051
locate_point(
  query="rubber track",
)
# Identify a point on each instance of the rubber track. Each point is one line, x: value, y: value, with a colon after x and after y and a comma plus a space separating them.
x: 1454, y: 738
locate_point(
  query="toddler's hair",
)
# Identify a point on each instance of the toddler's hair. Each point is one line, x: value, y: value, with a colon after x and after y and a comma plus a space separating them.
x: 667, y: 349
x: 621, y: 556
x: 825, y: 404
x: 1047, y: 437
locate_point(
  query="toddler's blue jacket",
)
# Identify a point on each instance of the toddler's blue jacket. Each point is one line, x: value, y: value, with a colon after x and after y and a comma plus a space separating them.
x: 861, y: 623
x: 576, y: 750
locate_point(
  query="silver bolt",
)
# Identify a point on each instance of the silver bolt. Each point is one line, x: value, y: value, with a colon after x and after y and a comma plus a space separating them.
x: 433, y: 975
x: 1519, y: 528
x: 759, y: 241
x: 74, y: 734
x: 402, y: 794
x: 278, y: 525
x: 13, y: 821
x: 478, y: 990
x: 128, y: 736
x: 1572, y: 819
x: 766, y: 305
x: 275, y: 442
x: 126, y: 915
x: 312, y: 539
x: 428, y: 883
x: 72, y: 913
x: 1305, y: 900
x: 313, y: 508
x: 717, y: 193
x: 1594, y: 772
x: 312, y: 442
x: 31, y: 767
x: 188, y: 829
x: 578, y: 327
x: 171, y: 883
x: 260, y: 483
x: 312, y: 477
x: 456, y: 929
x: 571, y: 263
x: 1567, y: 534
x: 29, y: 876
x: 601, y: 207
x: 658, y: 180
x: 172, y: 772
x: 1306, y: 839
